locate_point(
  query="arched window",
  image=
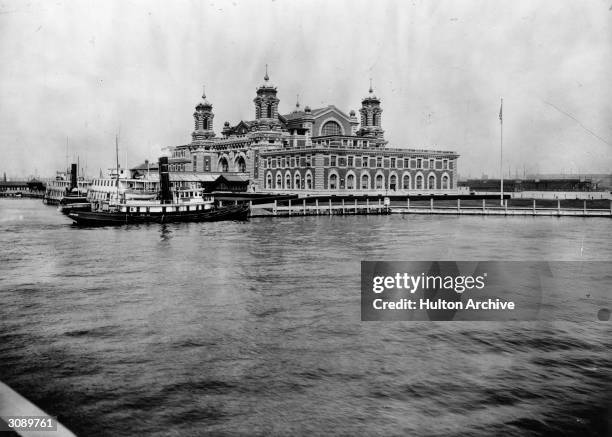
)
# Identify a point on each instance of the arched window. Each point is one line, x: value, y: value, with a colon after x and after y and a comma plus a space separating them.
x: 308, y: 181
x: 393, y: 182
x: 419, y: 182
x: 279, y: 181
x: 240, y: 164
x: 269, y: 180
x: 431, y: 182
x: 287, y: 181
x: 379, y: 182
x: 365, y: 182
x: 223, y: 165
x: 350, y: 182
x: 445, y: 182
x: 333, y: 181
x: 406, y: 182
x: 296, y: 181
x: 331, y: 128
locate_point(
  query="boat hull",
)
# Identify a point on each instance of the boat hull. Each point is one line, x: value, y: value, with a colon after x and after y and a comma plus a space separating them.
x: 104, y: 218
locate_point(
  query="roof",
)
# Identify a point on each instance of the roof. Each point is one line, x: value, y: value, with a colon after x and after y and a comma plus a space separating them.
x: 234, y: 177
x: 14, y: 183
x: 197, y: 177
x: 146, y: 166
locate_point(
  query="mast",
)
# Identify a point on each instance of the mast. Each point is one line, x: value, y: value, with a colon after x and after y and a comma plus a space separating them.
x: 501, y: 151
x: 117, y: 156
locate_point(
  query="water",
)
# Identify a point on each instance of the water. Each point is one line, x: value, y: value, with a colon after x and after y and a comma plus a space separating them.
x: 254, y: 329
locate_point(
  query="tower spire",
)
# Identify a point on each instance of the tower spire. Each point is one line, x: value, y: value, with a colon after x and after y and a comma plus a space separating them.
x: 203, y: 92
x: 266, y: 77
x: 371, y: 90
x: 297, y: 102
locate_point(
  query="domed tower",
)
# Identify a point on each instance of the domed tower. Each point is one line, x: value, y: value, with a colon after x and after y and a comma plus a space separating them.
x: 203, y: 120
x: 266, y: 103
x: 371, y: 116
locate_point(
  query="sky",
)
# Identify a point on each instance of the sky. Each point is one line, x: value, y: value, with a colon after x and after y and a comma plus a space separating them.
x: 75, y: 74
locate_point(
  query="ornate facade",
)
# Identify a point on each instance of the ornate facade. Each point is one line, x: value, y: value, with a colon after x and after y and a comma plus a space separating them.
x: 322, y: 149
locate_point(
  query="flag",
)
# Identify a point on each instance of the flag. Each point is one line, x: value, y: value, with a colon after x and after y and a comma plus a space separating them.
x: 501, y: 118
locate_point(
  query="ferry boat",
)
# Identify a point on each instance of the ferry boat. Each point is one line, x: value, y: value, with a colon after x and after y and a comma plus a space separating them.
x: 123, y: 201
x: 66, y: 184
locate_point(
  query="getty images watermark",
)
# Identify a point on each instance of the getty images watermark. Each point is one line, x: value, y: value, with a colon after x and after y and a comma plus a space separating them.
x: 484, y: 290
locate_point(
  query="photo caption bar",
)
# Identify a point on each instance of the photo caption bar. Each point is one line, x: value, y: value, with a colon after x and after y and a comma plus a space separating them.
x: 484, y: 290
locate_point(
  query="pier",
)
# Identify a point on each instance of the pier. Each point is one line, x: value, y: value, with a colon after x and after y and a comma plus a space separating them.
x: 444, y: 205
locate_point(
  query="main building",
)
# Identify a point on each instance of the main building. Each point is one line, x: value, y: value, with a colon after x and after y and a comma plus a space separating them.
x: 311, y: 150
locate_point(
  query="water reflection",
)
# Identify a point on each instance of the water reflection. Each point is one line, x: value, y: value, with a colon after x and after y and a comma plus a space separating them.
x: 165, y: 233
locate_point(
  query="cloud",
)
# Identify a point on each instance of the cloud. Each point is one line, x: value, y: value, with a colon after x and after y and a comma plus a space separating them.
x: 85, y: 69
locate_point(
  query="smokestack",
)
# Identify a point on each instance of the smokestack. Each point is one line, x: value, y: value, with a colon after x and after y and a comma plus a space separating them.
x: 164, y: 180
x: 73, y: 176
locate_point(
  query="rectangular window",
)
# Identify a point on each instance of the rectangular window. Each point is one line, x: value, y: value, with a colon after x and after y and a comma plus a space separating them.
x: 365, y: 143
x: 386, y: 162
x: 333, y: 161
x: 292, y: 161
x: 419, y: 163
x: 431, y: 163
x: 393, y: 165
x: 350, y: 161
x: 450, y: 165
x: 406, y: 162
x: 365, y: 161
x: 308, y: 161
x: 342, y: 161
x: 283, y: 162
x: 379, y: 162
x: 358, y: 162
x: 445, y: 164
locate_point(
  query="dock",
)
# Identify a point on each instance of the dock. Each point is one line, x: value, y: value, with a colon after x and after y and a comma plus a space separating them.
x: 459, y: 205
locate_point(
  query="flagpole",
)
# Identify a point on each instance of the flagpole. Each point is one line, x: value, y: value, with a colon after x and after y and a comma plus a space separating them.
x: 501, y: 151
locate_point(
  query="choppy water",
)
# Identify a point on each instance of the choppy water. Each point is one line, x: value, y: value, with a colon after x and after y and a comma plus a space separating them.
x: 254, y: 329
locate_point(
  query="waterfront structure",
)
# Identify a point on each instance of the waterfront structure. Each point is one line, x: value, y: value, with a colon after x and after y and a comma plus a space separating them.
x: 31, y: 188
x: 311, y: 150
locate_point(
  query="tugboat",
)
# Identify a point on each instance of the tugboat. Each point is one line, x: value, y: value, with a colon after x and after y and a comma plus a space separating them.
x: 165, y: 209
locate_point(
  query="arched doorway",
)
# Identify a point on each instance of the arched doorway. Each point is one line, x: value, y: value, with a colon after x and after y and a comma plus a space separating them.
x: 365, y: 182
x: 431, y: 182
x: 419, y: 182
x: 406, y: 182
x: 240, y: 164
x: 223, y: 165
x: 393, y: 182
x: 350, y: 182
x: 380, y: 182
x: 308, y: 181
x: 333, y: 181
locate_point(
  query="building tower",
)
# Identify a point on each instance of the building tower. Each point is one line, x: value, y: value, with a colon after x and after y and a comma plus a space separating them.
x: 371, y: 116
x: 203, y: 120
x: 266, y: 104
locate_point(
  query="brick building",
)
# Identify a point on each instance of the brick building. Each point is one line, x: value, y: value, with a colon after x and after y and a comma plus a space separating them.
x: 323, y: 149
